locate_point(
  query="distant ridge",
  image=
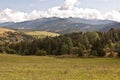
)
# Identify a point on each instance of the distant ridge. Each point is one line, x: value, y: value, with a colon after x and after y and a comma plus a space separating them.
x: 63, y: 25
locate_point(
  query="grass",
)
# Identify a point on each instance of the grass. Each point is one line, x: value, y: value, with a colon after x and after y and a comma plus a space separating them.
x: 41, y: 34
x: 36, y: 34
x: 3, y: 30
x: 14, y: 67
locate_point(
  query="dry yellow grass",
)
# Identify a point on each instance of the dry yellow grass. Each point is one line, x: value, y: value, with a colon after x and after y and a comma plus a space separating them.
x: 38, y: 34
x: 41, y: 34
x: 3, y: 30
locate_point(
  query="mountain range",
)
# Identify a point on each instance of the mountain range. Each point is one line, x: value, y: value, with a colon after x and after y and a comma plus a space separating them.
x: 63, y: 25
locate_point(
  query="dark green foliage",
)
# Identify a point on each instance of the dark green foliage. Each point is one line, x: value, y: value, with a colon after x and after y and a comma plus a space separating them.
x: 81, y: 52
x: 11, y: 51
x: 26, y: 52
x: 119, y: 53
x: 98, y: 48
x: 1, y: 49
x: 92, y: 43
x: 94, y: 53
x: 75, y: 51
x: 100, y: 53
x: 41, y: 53
x: 64, y: 49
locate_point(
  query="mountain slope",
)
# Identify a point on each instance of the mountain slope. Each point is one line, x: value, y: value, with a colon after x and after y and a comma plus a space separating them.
x: 63, y: 25
x: 116, y: 26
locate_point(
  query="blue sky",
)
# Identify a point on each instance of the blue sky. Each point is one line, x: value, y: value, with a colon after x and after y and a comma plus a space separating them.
x: 102, y: 5
x: 29, y: 5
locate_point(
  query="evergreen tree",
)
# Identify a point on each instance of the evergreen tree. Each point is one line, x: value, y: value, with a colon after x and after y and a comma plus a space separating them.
x: 64, y: 49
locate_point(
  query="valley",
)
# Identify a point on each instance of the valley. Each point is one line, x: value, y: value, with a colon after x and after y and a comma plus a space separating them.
x: 60, y: 40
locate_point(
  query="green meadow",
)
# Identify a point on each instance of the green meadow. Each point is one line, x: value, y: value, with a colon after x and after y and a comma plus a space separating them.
x: 14, y: 67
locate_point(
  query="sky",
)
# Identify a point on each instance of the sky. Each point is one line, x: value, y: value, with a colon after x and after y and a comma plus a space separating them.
x: 22, y: 10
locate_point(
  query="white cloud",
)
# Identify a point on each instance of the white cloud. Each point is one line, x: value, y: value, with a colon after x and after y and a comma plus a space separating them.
x: 64, y: 11
x: 113, y: 15
x: 11, y: 15
x: 68, y: 4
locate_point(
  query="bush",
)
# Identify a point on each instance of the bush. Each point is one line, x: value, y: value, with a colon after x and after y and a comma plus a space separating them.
x: 101, y: 53
x: 1, y: 50
x: 81, y: 52
x: 118, y: 53
x: 10, y: 51
x: 41, y: 53
x: 94, y: 53
x: 77, y: 51
x: 25, y: 52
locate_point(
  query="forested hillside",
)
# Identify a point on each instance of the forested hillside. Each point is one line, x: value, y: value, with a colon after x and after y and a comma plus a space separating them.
x: 101, y: 44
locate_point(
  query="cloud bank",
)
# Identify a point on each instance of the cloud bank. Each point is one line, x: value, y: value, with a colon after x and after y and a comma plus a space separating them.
x: 66, y: 10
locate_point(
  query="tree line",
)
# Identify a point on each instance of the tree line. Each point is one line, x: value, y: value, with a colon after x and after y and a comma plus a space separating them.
x: 92, y: 43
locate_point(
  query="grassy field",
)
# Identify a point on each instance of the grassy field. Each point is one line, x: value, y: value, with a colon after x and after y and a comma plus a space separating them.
x: 13, y: 67
x: 36, y: 34
x: 3, y: 30
x: 41, y: 34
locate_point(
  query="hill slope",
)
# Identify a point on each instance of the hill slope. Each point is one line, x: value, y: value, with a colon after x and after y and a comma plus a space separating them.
x: 3, y: 30
x: 10, y: 35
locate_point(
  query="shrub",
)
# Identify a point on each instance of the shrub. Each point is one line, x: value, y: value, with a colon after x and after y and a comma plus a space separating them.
x: 41, y: 53
x: 81, y: 52
x: 101, y: 53
x: 94, y: 53
x: 10, y: 51
x: 1, y: 50
x: 118, y: 53
x: 77, y: 51
x: 26, y: 52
